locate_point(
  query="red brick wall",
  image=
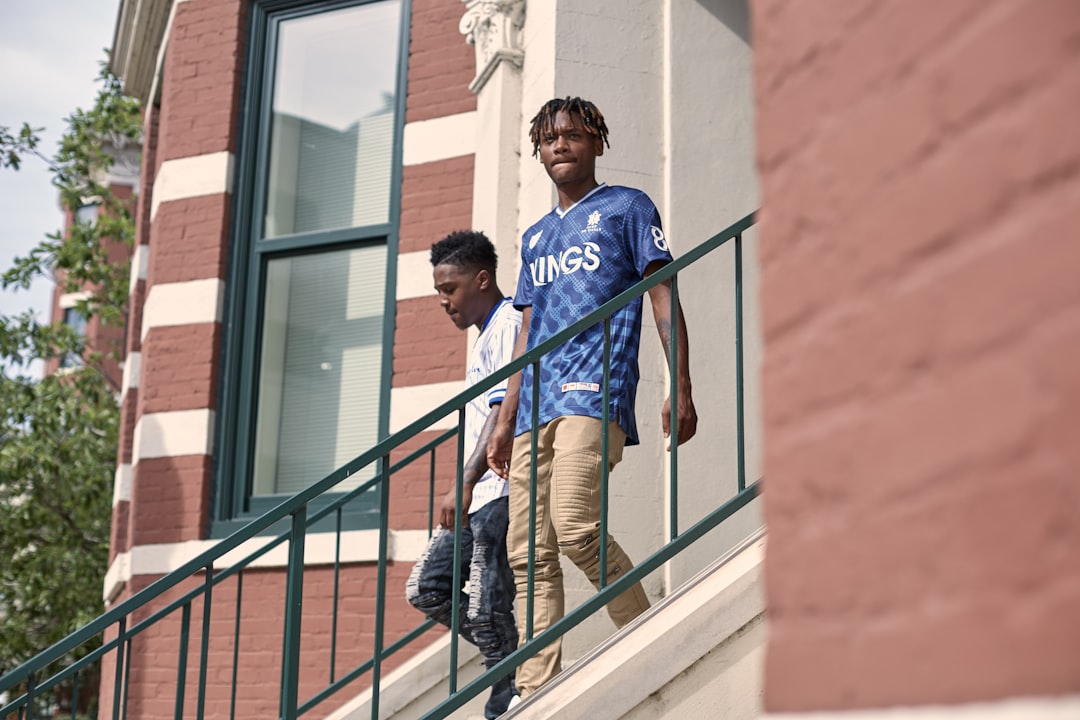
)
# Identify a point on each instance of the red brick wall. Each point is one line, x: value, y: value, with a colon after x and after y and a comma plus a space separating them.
x: 120, y: 540
x: 171, y: 499
x: 920, y: 173
x: 428, y: 348
x: 201, y: 92
x: 181, y: 359
x: 411, y: 488
x: 188, y: 240
x: 441, y: 65
x: 436, y: 198
x: 155, y: 652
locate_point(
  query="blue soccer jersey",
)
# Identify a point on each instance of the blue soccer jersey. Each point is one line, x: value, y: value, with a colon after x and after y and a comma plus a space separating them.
x: 572, y: 262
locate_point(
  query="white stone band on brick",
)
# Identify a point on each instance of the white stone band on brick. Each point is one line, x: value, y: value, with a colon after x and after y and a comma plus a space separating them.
x: 122, y: 484
x: 173, y: 434
x: 132, y: 368
x: 70, y: 300
x: 414, y: 276
x: 184, y: 303
x: 140, y: 263
x: 1065, y: 707
x: 319, y: 549
x: 192, y: 177
x: 409, y: 403
x: 439, y: 139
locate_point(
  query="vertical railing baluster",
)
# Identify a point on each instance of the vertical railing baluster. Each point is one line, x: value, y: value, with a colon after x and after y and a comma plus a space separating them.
x: 294, y: 605
x: 431, y: 498
x: 127, y: 676
x: 121, y: 638
x: 181, y: 660
x: 380, y: 584
x: 455, y: 597
x: 673, y: 424
x: 605, y: 419
x: 739, y: 419
x: 208, y: 595
x: 534, y: 438
x: 337, y: 585
x: 31, y: 685
x: 236, y: 645
x: 74, y: 695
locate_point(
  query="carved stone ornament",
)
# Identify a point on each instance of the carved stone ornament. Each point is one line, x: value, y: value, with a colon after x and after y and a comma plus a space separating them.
x: 493, y: 27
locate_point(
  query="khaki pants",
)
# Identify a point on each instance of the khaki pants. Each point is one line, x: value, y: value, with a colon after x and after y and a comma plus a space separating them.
x: 567, y: 521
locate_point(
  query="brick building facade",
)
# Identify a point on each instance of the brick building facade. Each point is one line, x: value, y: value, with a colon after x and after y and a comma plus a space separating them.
x: 868, y: 123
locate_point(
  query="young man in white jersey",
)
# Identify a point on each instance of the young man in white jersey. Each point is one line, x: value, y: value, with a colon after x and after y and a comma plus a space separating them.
x: 596, y: 243
x: 464, y: 272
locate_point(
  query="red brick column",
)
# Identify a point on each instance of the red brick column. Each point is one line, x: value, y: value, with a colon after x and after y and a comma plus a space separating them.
x: 920, y: 172
x: 436, y: 199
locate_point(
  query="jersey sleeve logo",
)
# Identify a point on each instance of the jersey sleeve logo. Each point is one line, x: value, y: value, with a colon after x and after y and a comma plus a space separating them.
x: 658, y: 239
x: 534, y: 238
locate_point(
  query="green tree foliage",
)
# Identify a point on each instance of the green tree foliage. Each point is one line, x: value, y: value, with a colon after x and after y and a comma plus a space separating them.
x: 59, y: 433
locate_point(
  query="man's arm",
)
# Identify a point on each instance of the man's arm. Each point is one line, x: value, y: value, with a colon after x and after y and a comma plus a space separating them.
x: 474, y: 469
x: 502, y: 436
x: 660, y: 296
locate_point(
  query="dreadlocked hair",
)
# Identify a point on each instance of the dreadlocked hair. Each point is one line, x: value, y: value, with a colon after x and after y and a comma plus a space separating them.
x: 590, y: 115
x: 467, y: 249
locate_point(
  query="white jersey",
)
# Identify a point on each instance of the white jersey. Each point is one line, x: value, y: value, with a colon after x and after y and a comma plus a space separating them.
x: 493, y: 349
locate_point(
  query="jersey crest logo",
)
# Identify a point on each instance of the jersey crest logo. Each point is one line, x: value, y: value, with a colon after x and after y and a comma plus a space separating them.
x: 594, y: 222
x: 534, y: 238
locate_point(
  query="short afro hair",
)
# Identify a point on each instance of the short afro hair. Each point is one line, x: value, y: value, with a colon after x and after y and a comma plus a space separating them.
x: 468, y: 249
x: 590, y: 115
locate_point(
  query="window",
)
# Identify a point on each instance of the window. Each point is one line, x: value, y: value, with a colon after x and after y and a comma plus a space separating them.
x: 77, y: 322
x: 86, y: 214
x: 307, y: 362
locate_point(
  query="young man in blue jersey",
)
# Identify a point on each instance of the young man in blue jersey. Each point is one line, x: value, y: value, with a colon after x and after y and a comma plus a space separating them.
x: 596, y: 243
x: 464, y: 272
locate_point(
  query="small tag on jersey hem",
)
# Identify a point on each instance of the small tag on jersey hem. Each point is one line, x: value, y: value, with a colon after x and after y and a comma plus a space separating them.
x: 586, y: 386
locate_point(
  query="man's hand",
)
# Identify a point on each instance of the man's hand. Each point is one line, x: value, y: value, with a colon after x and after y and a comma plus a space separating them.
x: 686, y: 425
x: 449, y: 507
x: 499, y: 446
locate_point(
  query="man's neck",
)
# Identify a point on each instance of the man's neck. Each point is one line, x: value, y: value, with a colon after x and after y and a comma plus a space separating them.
x: 493, y: 301
x: 569, y: 195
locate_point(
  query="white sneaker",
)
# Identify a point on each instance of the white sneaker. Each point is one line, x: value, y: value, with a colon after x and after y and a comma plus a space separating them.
x: 514, y: 702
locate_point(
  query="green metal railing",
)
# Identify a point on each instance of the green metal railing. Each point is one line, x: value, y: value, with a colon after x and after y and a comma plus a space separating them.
x: 31, y: 688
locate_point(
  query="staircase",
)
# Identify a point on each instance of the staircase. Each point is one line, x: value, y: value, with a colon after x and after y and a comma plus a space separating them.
x: 667, y: 658
x: 698, y: 653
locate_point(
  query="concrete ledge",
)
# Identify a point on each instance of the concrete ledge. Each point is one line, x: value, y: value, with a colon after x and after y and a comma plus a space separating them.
x: 415, y: 687
x: 620, y: 674
x: 1065, y: 707
x: 189, y: 177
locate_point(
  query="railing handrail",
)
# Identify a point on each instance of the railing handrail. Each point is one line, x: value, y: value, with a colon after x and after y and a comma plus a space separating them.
x: 382, y: 449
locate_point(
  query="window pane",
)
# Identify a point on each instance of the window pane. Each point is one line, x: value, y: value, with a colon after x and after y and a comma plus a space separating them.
x: 333, y: 119
x: 320, y: 367
x: 77, y: 322
x: 86, y: 214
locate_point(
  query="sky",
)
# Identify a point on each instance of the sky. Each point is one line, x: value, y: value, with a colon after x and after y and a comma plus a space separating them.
x: 50, y: 52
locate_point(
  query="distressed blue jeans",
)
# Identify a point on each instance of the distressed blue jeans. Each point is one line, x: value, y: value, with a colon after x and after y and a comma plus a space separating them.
x: 486, y: 613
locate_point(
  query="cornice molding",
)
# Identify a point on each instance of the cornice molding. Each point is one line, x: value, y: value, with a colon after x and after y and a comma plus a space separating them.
x: 140, y: 31
x: 493, y: 27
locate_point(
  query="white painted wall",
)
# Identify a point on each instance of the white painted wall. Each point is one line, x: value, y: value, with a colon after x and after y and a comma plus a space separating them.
x: 712, y: 183
x: 673, y: 80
